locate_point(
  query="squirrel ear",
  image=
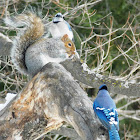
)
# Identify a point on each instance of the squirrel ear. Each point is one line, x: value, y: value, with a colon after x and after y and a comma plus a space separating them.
x: 64, y: 38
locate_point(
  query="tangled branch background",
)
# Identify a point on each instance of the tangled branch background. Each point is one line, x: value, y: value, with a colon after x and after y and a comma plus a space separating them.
x: 107, y: 37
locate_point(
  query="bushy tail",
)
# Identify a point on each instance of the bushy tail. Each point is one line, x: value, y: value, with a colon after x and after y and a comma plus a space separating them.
x: 33, y: 30
x: 113, y: 133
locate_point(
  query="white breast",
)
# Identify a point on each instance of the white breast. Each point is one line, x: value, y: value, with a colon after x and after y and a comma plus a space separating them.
x: 58, y: 30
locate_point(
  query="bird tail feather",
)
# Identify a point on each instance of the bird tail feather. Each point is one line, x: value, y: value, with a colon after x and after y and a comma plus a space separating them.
x: 113, y: 133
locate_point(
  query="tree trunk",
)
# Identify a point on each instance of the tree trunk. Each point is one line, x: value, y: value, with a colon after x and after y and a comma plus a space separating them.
x: 51, y: 98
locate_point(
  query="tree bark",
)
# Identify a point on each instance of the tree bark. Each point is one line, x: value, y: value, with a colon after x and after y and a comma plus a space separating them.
x: 49, y: 99
x: 92, y: 79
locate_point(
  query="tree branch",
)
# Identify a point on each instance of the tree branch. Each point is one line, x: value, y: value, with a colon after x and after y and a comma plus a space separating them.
x: 49, y: 99
x: 5, y: 45
x: 92, y: 79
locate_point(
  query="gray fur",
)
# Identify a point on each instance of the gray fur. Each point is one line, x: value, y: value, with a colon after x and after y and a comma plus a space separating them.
x: 42, y: 52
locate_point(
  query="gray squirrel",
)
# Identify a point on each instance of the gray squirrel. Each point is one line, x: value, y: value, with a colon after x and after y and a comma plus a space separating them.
x: 32, y: 50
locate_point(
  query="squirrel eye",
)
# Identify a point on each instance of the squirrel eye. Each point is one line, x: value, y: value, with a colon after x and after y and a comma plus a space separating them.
x: 69, y: 44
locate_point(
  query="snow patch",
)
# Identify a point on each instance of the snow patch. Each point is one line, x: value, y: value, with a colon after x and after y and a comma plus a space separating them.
x: 8, y: 98
x: 99, y: 76
x: 125, y: 84
x: 86, y: 68
x: 16, y: 135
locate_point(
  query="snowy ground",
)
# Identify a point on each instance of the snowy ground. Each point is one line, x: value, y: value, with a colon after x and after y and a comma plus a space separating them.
x: 8, y: 98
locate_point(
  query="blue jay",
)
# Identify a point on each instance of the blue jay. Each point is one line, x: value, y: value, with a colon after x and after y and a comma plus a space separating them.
x: 59, y: 27
x: 105, y: 108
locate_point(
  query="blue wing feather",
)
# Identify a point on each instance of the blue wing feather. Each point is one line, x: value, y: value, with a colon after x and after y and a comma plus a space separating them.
x: 105, y: 115
x: 68, y: 25
x: 102, y: 117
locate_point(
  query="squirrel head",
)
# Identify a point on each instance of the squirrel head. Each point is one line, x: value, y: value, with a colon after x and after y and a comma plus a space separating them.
x: 70, y: 47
